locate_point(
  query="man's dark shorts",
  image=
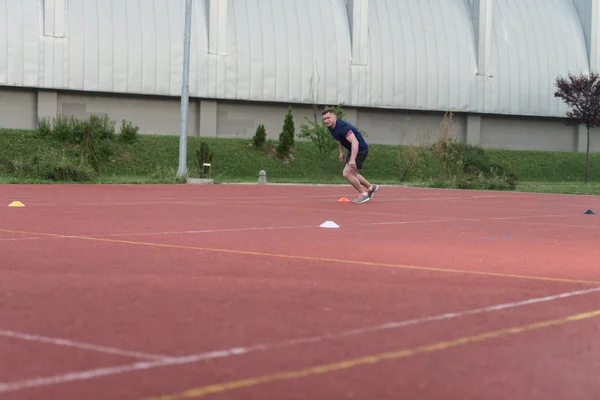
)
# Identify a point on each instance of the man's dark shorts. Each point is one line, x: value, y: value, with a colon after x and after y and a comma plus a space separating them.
x: 360, y: 158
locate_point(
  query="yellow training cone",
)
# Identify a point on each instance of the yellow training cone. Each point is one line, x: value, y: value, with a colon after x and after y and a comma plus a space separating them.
x: 16, y: 204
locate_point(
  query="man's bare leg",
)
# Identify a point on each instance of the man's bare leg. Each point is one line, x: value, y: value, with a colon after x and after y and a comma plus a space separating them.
x: 353, y: 178
x: 363, y: 181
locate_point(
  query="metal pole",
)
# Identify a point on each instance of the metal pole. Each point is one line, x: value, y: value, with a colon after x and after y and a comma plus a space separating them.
x: 182, y: 171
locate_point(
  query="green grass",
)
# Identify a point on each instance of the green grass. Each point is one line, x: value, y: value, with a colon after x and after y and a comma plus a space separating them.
x: 591, y: 188
x: 155, y: 159
x: 548, y: 166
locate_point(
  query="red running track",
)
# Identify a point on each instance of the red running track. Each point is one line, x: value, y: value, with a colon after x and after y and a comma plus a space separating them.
x: 235, y: 292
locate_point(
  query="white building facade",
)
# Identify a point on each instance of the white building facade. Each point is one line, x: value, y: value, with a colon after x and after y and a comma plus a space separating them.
x: 397, y: 65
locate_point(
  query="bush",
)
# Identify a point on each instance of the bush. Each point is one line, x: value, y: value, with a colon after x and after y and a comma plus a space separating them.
x: 129, y: 133
x: 50, y: 164
x: 319, y: 135
x: 286, y: 137
x: 317, y: 132
x: 93, y: 140
x: 7, y: 166
x: 203, y: 155
x: 102, y: 127
x: 448, y: 163
x: 260, y: 137
x: 285, y: 146
x: 288, y: 127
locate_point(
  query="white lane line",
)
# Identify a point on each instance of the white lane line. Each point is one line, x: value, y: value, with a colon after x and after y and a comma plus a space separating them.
x: 235, y: 351
x: 79, y: 345
x: 21, y: 238
x: 427, y: 221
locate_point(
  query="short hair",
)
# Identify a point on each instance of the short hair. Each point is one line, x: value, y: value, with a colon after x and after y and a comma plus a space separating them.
x: 328, y: 110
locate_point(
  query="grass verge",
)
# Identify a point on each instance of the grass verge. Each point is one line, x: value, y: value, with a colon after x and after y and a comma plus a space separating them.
x: 154, y: 159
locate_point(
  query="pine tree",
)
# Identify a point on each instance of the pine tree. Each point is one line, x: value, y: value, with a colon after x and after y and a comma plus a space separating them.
x: 259, y: 137
x: 286, y: 137
x: 288, y: 126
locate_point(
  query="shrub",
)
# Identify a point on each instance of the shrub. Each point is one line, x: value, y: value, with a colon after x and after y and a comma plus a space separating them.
x: 102, y: 127
x: 285, y: 145
x: 286, y: 137
x: 449, y: 163
x: 44, y: 128
x: 288, y: 127
x: 319, y: 135
x: 316, y: 131
x: 260, y: 137
x: 129, y: 132
x: 50, y: 164
x: 203, y: 155
x: 91, y: 139
x: 7, y: 166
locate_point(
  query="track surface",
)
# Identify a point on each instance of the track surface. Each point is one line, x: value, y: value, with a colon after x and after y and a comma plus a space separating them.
x: 235, y: 292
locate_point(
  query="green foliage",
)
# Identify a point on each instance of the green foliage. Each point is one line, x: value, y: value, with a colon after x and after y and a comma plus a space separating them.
x: 129, y: 133
x: 102, y: 127
x: 89, y: 137
x: 74, y: 131
x: 90, y: 144
x: 69, y: 150
x: 289, y: 128
x: 448, y: 163
x: 55, y: 165
x: 339, y: 111
x: 286, y: 137
x: 259, y: 138
x: 49, y: 164
x: 341, y: 114
x: 319, y: 135
x: 285, y: 146
x: 154, y: 159
x: 581, y: 93
x: 203, y: 155
x: 44, y: 129
x: 7, y: 166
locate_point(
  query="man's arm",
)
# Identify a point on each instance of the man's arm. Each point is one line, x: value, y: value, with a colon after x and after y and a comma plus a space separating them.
x: 341, y: 152
x: 352, y: 139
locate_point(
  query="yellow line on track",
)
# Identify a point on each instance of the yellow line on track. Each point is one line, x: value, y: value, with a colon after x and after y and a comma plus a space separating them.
x: 373, y: 359
x: 309, y: 258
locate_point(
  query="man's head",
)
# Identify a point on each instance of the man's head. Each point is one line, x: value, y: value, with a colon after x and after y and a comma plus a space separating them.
x: 329, y: 117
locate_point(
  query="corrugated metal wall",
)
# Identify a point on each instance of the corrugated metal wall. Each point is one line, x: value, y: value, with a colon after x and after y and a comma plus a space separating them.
x: 535, y: 41
x: 420, y: 54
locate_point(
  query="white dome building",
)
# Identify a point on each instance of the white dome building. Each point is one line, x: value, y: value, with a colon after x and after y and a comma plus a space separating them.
x: 397, y: 65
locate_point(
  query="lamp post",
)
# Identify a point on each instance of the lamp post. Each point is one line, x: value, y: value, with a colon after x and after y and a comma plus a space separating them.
x: 182, y: 171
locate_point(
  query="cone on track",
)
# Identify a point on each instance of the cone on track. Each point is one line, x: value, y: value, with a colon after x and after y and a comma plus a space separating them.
x: 344, y: 200
x: 329, y: 224
x: 16, y: 204
x: 590, y: 212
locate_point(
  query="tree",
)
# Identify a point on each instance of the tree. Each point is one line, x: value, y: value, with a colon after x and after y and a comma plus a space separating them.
x: 582, y: 94
x: 260, y: 136
x: 319, y: 135
x: 288, y: 126
x: 286, y: 137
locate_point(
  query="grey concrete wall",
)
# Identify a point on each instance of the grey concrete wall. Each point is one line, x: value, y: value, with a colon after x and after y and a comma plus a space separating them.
x: 20, y: 108
x: 240, y: 120
x: 405, y: 127
x: 527, y: 134
x: 151, y: 114
x: 581, y: 139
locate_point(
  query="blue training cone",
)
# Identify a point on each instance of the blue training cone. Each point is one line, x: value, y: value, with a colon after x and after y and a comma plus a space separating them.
x: 590, y: 212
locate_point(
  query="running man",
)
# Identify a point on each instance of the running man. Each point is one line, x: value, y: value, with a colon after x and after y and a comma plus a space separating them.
x: 349, y: 137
